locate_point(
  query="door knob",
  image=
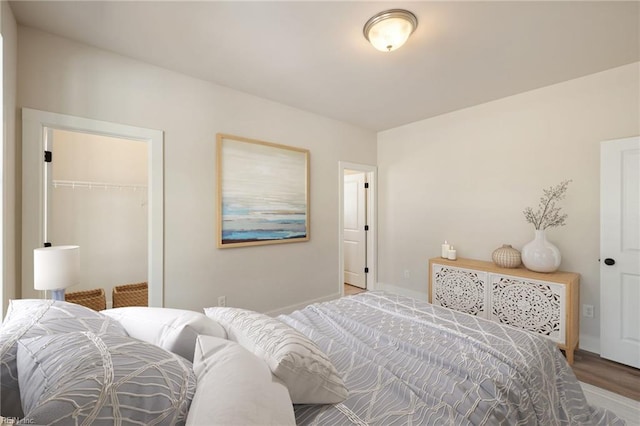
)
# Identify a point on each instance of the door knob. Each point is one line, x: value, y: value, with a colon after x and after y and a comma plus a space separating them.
x: 609, y: 261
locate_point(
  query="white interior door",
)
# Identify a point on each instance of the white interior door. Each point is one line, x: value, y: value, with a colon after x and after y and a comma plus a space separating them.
x: 620, y: 251
x: 355, y: 242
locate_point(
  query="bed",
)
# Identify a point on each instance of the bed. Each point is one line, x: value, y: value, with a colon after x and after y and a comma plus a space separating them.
x: 368, y: 359
x: 409, y: 362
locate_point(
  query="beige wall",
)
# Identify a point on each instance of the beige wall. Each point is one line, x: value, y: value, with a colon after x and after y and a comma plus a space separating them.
x: 468, y: 175
x: 10, y: 159
x: 61, y: 76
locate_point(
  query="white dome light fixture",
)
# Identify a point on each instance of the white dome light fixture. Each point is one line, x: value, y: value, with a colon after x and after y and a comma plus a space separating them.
x: 390, y: 29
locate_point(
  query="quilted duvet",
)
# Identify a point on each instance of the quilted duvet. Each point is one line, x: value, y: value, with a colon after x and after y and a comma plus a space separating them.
x: 406, y: 362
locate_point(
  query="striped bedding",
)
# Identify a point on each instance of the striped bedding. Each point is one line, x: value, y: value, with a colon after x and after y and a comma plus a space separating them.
x: 406, y: 362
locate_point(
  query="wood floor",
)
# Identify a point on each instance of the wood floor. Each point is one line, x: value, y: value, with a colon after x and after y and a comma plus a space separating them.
x: 605, y: 374
x: 350, y: 290
x: 588, y: 368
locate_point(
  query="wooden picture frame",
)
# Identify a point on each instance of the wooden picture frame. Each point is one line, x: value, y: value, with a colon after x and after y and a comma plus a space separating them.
x: 262, y: 192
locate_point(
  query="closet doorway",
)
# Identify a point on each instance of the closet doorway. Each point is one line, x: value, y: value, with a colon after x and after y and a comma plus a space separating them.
x: 97, y: 199
x: 113, y: 171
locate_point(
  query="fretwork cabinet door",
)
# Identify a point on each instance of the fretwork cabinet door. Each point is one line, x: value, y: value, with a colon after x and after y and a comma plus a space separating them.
x: 536, y: 306
x: 461, y: 289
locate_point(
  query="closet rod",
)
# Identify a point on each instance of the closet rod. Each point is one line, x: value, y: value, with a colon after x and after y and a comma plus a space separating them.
x: 96, y: 185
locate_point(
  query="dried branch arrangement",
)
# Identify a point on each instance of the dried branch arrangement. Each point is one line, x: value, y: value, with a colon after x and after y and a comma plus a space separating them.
x: 548, y: 214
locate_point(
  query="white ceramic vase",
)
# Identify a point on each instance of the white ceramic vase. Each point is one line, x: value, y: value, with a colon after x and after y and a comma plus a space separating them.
x: 540, y: 255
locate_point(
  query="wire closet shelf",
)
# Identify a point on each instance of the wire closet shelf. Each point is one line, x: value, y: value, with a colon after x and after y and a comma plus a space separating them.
x: 97, y: 185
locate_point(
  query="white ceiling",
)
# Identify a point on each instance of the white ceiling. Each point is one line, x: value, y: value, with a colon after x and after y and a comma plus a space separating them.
x: 313, y: 56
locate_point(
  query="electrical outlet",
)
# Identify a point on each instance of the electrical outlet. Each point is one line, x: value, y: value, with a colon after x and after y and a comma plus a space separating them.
x: 222, y: 301
x: 587, y: 311
x: 407, y: 273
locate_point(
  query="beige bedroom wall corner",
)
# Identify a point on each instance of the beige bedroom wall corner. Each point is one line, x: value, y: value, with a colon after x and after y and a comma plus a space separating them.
x: 467, y: 176
x: 10, y: 159
x: 62, y: 76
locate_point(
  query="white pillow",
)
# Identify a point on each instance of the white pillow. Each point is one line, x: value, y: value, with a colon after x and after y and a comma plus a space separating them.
x: 308, y: 373
x: 175, y: 330
x: 236, y: 388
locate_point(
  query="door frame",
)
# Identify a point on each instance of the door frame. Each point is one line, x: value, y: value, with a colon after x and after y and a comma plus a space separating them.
x: 372, y: 209
x: 34, y: 140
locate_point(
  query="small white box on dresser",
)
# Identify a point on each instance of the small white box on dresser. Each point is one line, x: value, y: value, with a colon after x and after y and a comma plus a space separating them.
x: 543, y: 303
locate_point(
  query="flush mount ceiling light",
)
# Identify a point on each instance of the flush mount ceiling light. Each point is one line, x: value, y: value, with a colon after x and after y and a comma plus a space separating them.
x: 390, y: 29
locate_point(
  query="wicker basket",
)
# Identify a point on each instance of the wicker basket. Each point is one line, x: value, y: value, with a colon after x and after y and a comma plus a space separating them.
x: 94, y: 299
x: 131, y: 295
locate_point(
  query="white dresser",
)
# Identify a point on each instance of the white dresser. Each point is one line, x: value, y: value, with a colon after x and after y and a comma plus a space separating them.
x: 543, y: 303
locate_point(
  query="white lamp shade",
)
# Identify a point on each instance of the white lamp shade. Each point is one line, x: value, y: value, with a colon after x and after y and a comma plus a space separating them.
x: 56, y: 267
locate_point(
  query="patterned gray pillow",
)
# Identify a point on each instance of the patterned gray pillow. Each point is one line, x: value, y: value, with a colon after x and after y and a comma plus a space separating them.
x: 35, y: 317
x: 83, y: 378
x: 307, y: 372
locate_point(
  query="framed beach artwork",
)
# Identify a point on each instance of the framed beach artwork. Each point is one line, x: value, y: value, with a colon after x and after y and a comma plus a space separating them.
x: 263, y: 192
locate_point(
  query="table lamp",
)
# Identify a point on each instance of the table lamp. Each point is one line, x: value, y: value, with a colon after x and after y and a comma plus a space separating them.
x: 56, y: 268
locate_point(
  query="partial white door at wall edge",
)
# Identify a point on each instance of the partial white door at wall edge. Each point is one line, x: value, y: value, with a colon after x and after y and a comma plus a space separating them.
x: 355, y: 242
x: 620, y: 251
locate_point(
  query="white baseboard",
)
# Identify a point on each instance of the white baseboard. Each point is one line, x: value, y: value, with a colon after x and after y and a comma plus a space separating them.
x: 288, y: 309
x: 403, y: 291
x: 625, y: 408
